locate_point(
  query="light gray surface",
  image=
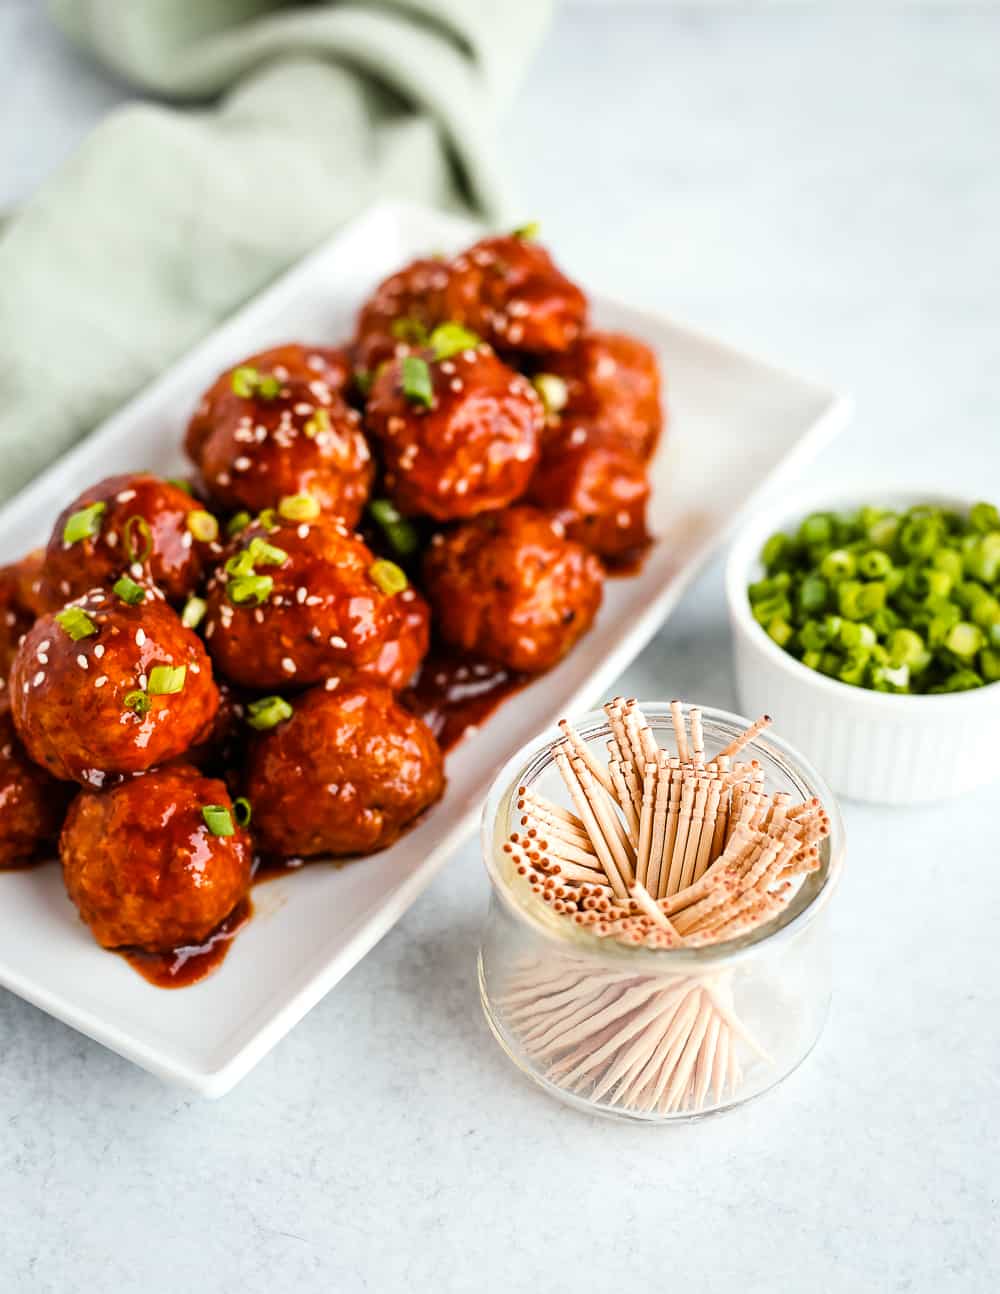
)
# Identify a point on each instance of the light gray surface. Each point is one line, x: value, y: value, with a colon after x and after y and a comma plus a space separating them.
x: 826, y: 190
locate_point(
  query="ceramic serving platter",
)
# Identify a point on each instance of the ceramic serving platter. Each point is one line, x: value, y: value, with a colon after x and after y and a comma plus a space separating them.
x: 735, y: 422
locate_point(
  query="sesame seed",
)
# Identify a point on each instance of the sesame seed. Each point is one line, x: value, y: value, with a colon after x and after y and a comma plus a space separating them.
x: 622, y: 519
x: 99, y: 650
x: 457, y: 384
x: 224, y: 478
x: 338, y: 642
x: 82, y: 661
x: 143, y: 681
x: 187, y: 539
x: 124, y: 496
x: 301, y: 593
x: 100, y: 680
x: 242, y: 464
x: 140, y: 637
x: 303, y: 531
x: 38, y: 679
x: 258, y: 616
x: 288, y: 665
x: 42, y: 646
x: 111, y: 539
x: 210, y: 629
x: 136, y: 571
x: 332, y: 684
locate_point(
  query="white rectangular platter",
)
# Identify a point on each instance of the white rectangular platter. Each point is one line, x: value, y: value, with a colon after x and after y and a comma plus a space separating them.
x: 735, y: 422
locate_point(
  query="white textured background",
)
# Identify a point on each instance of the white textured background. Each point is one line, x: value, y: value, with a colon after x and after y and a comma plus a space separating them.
x: 820, y: 182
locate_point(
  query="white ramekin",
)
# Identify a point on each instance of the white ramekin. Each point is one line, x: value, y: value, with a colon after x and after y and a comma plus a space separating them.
x: 874, y: 746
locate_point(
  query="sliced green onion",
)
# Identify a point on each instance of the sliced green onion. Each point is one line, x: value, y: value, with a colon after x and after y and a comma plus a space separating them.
x: 401, y: 534
x: 242, y: 811
x: 528, y: 231
x: 268, y: 388
x: 240, y: 563
x: 298, y: 507
x: 389, y: 577
x: 136, y: 530
x: 180, y: 484
x: 138, y: 702
x: 85, y: 524
x: 268, y: 712
x: 165, y: 680
x: 409, y: 330
x: 193, y: 613
x: 218, y: 819
x: 553, y: 391
x: 363, y: 379
x: 268, y: 518
x: 417, y: 385
x: 984, y: 517
x: 76, y: 623
x: 450, y: 339
x: 203, y: 525
x: 320, y: 421
x: 245, y: 380
x: 264, y: 554
x: 237, y: 523
x: 129, y: 591
x: 249, y: 589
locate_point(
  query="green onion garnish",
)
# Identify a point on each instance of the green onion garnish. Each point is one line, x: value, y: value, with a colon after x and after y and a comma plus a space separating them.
x: 129, y: 591
x: 76, y: 623
x: 401, y: 534
x: 262, y: 553
x: 248, y: 382
x: 320, y: 421
x: 240, y: 563
x: 417, y: 385
x: 268, y: 518
x: 553, y: 391
x: 193, y: 613
x: 164, y: 680
x: 138, y: 539
x: 298, y: 507
x: 85, y: 524
x: 363, y: 379
x: 242, y: 811
x: 268, y: 712
x: 409, y: 330
x: 389, y: 577
x: 528, y: 231
x: 203, y: 525
x: 268, y: 388
x: 138, y: 702
x: 179, y: 484
x: 218, y: 819
x: 237, y: 523
x: 450, y: 339
x: 246, y: 589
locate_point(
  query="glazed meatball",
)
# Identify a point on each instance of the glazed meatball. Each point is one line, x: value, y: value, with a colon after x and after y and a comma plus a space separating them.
x: 292, y: 438
x: 32, y: 804
x: 402, y: 312
x: 512, y: 588
x: 470, y: 447
x: 509, y: 291
x: 598, y: 491
x: 144, y: 864
x: 105, y: 687
x: 506, y: 289
x: 15, y: 622
x: 298, y: 603
x: 344, y: 775
x: 612, y: 391
x: 29, y: 588
x: 328, y: 365
x: 136, y: 524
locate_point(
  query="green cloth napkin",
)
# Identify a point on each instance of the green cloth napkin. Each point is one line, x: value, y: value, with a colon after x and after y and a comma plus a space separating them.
x: 285, y: 121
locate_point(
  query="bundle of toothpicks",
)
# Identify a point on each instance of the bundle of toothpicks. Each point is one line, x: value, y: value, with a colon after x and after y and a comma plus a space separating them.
x: 663, y: 850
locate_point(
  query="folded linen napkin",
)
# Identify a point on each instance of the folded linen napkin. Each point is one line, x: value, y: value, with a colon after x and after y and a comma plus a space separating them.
x: 283, y: 121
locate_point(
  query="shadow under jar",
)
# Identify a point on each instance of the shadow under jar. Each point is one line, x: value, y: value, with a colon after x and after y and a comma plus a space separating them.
x: 654, y: 1035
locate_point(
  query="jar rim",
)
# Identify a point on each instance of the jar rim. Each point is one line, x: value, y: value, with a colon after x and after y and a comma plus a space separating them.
x: 810, y: 900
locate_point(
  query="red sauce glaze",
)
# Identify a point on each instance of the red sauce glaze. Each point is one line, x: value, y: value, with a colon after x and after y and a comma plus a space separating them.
x: 454, y: 693
x: 184, y: 966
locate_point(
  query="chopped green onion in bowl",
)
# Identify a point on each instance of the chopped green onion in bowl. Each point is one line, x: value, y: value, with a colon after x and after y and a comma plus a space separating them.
x: 903, y: 602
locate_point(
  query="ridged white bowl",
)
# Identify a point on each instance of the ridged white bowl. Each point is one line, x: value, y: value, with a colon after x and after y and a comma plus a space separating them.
x: 874, y: 746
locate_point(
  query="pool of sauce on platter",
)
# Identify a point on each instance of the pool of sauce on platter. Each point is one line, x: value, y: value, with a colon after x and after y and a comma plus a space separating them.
x: 455, y: 694
x: 184, y: 966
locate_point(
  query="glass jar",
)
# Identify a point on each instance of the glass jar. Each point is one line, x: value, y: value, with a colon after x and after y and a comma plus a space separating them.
x: 648, y: 1034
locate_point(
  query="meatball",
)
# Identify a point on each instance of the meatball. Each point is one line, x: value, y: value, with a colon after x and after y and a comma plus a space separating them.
x: 105, y: 687
x: 512, y: 588
x: 295, y: 437
x: 599, y: 492
x: 612, y: 390
x: 344, y: 775
x: 298, y: 603
x: 15, y: 621
x: 328, y: 365
x: 138, y: 524
x: 147, y: 867
x: 470, y: 447
x: 402, y: 311
x: 29, y: 589
x: 509, y: 291
x: 32, y: 804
